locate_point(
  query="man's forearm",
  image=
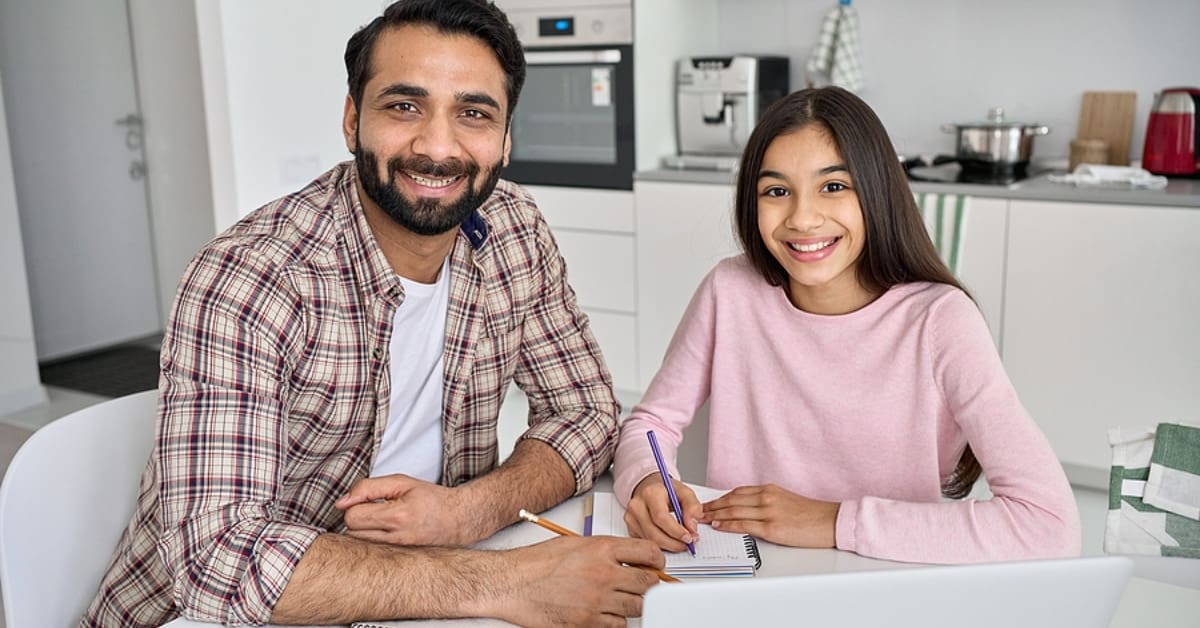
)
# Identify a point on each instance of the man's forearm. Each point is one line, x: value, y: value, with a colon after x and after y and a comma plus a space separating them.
x: 535, y: 477
x: 342, y: 579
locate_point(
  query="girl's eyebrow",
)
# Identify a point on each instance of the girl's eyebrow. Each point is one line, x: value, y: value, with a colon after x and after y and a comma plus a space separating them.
x: 832, y: 169
x: 763, y: 174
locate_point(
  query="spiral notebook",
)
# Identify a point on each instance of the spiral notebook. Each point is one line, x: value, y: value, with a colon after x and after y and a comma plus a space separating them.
x: 718, y: 554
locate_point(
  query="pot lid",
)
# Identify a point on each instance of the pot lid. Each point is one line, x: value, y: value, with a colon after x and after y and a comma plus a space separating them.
x: 995, y: 120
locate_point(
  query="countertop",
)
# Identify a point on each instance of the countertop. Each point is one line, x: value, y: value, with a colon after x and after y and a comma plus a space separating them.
x: 1178, y: 193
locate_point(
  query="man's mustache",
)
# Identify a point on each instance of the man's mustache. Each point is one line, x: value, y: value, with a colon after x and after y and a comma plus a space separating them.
x: 427, y: 167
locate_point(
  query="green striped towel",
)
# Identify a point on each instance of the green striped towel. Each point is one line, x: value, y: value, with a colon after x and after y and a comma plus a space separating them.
x: 1174, y: 482
x: 835, y: 56
x: 1135, y: 526
x: 945, y: 216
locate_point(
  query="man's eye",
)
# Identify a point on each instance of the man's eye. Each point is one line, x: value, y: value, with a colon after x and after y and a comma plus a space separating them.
x: 476, y: 114
x: 403, y: 106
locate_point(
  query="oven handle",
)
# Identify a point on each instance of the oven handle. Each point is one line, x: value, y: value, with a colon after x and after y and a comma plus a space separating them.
x: 563, y: 57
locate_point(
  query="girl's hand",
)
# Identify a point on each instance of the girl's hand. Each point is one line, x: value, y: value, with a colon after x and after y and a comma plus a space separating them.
x: 774, y: 514
x: 649, y: 516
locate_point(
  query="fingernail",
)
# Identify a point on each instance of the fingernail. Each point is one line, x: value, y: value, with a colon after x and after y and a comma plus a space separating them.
x: 687, y: 538
x: 716, y: 524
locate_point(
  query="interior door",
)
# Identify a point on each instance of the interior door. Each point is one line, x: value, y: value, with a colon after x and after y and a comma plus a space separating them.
x: 76, y: 141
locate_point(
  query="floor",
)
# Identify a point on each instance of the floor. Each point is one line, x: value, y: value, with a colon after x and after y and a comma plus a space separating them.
x: 1145, y: 602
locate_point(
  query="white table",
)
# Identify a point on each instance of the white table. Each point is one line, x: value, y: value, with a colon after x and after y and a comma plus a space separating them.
x: 777, y: 560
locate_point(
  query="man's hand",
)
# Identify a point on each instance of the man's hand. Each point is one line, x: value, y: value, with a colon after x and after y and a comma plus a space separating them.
x: 578, y: 581
x: 649, y: 516
x: 774, y: 514
x: 403, y: 510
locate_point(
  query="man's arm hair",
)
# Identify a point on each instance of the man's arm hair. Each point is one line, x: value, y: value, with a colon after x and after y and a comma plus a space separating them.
x: 341, y: 579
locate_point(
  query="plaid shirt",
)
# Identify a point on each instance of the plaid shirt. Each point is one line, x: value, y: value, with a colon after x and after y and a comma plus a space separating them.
x: 274, y: 392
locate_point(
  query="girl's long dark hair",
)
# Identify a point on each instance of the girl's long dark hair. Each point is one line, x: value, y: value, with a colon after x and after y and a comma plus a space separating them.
x: 897, y: 249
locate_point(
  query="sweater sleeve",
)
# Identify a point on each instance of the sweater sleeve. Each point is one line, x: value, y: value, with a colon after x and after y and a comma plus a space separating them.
x: 680, y: 387
x: 1032, y: 513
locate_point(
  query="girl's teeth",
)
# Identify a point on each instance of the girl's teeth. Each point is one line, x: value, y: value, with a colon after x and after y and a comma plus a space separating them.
x: 809, y: 248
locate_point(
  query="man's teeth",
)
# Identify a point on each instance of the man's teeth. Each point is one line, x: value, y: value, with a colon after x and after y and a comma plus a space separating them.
x: 809, y: 248
x: 432, y: 183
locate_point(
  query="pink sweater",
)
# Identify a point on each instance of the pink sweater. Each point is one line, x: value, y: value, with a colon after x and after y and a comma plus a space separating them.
x: 870, y: 409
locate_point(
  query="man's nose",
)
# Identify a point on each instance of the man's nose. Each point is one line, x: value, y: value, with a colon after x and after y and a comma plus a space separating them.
x: 437, y: 140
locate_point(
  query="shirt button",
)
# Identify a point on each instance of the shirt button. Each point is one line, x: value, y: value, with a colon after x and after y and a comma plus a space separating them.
x: 379, y: 352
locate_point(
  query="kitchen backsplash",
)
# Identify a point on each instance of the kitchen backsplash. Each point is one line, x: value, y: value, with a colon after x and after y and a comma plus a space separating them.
x: 929, y: 62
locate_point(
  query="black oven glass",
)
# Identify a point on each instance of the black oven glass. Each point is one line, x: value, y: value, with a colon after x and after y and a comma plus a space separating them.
x: 573, y: 124
x: 566, y: 114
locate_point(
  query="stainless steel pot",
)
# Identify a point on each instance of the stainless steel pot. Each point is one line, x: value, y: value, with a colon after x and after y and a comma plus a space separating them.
x: 996, y: 142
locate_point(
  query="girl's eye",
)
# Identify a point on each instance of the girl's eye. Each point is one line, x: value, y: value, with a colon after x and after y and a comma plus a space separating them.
x: 835, y: 186
x: 774, y: 192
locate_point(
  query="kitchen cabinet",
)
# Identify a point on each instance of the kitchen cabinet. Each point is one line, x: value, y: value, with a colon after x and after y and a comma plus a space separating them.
x: 981, y: 259
x: 683, y: 230
x: 595, y: 234
x: 1100, y: 321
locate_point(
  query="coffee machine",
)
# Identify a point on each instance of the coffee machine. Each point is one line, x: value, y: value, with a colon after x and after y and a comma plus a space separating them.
x: 1173, y: 134
x: 718, y: 100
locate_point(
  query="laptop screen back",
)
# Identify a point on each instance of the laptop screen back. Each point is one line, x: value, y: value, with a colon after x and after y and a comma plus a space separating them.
x: 1081, y: 592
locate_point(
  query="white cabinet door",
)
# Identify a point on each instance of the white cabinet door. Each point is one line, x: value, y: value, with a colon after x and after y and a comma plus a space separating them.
x: 981, y: 258
x: 683, y: 230
x: 1102, y: 321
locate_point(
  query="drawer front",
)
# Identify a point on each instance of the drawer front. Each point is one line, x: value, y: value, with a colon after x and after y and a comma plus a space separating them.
x: 617, y: 335
x: 600, y: 267
x: 579, y: 208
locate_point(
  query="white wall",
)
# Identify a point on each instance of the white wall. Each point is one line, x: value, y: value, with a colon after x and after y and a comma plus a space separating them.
x: 928, y: 62
x: 275, y: 86
x: 20, y: 385
x: 167, y: 61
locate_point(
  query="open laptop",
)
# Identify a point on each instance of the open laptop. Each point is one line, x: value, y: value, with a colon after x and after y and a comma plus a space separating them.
x: 1080, y: 592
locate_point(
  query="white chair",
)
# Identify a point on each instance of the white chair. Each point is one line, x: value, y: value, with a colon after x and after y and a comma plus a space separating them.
x: 66, y: 498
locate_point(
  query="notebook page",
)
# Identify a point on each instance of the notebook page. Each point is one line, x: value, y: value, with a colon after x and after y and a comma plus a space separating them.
x: 717, y: 552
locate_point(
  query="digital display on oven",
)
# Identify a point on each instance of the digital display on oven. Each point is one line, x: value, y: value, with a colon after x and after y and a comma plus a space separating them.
x: 551, y: 26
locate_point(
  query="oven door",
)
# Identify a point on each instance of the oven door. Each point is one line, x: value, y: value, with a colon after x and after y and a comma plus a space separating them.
x: 573, y: 125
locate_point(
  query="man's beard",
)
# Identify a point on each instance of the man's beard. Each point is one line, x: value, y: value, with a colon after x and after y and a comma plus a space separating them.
x: 426, y: 216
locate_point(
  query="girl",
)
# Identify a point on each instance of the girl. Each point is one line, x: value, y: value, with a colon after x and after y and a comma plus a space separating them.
x: 852, y: 382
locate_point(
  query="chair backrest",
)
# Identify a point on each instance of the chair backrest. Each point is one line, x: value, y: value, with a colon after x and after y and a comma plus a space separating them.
x: 67, y: 497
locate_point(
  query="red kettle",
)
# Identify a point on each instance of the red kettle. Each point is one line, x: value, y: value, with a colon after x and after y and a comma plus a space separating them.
x: 1172, y: 135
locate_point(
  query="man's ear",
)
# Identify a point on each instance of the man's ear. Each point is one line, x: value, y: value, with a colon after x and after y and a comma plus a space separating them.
x: 350, y: 124
x: 507, y: 144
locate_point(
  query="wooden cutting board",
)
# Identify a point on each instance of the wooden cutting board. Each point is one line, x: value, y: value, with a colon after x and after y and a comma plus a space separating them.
x: 1108, y: 116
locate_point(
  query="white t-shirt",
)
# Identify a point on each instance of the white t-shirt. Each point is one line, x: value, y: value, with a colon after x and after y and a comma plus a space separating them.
x: 412, y: 439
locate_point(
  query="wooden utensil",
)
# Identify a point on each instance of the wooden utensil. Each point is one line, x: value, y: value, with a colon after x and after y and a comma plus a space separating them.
x: 1108, y: 116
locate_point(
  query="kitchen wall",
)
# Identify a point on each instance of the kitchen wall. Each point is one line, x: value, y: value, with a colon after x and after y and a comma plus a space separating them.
x: 928, y: 62
x: 20, y: 385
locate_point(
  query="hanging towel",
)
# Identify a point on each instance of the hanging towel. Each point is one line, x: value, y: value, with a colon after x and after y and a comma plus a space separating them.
x: 1111, y: 176
x: 835, y: 56
x: 1133, y: 525
x: 945, y: 216
x: 1174, y: 482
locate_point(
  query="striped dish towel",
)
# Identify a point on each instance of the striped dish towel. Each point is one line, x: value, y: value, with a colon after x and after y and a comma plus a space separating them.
x: 835, y: 56
x: 945, y: 217
x: 1135, y: 526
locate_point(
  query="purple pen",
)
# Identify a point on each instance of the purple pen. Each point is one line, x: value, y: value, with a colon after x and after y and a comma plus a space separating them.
x: 662, y: 470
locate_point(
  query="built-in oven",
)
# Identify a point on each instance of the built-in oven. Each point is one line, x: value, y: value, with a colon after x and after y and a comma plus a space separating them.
x: 573, y: 125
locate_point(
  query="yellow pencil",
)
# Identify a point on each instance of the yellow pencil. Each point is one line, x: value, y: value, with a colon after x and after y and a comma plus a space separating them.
x: 561, y: 531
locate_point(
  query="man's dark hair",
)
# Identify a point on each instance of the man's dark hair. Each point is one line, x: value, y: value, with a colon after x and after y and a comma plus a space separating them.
x: 480, y: 19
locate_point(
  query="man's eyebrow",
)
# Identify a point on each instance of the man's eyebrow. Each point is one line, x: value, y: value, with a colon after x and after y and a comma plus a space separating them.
x: 477, y: 98
x: 404, y: 89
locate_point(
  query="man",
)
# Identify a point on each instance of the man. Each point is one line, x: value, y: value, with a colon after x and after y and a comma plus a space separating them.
x: 369, y: 324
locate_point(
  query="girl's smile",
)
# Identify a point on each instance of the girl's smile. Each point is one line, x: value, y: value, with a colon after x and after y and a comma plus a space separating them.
x: 810, y: 219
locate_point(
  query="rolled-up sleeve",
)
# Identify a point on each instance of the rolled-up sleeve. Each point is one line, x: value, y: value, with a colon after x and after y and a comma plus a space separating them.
x: 223, y: 439
x: 562, y: 371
